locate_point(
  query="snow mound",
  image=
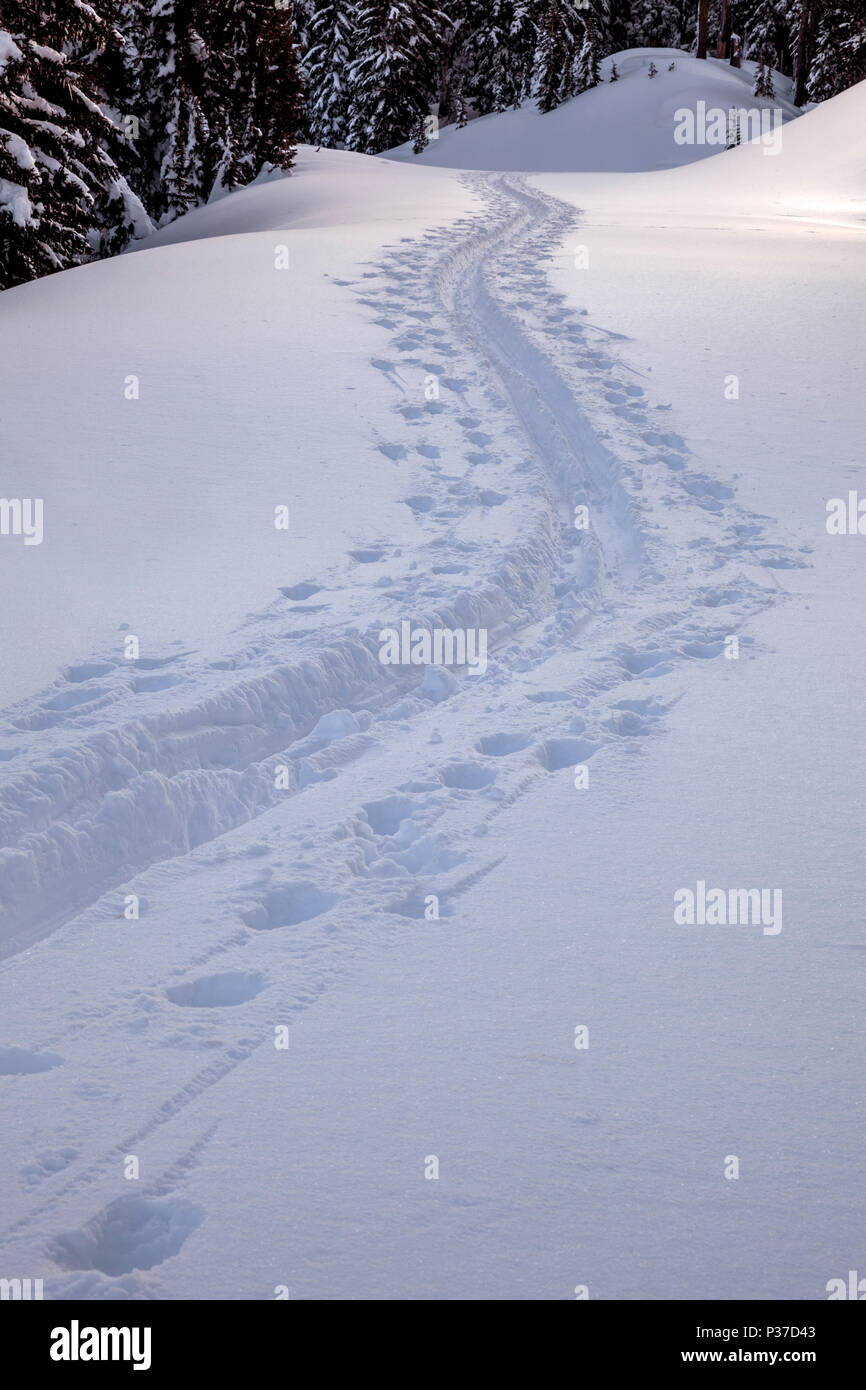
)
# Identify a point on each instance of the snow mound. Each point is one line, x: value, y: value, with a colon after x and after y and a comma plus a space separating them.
x: 814, y: 169
x: 326, y: 188
x: 819, y: 171
x: 625, y: 126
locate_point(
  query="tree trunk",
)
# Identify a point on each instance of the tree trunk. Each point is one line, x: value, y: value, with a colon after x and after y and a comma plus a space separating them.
x: 805, y: 49
x: 722, y: 50
x: 704, y: 25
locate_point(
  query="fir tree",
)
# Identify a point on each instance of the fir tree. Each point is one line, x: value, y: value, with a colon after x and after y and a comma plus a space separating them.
x: 655, y: 24
x: 325, y: 66
x: 614, y: 19
x: 764, y: 80
x: 560, y: 37
x: 768, y: 34
x: 589, y: 58
x: 461, y: 115
x: 220, y: 96
x: 174, y: 132
x: 840, y: 50
x: 522, y: 43
x: 63, y: 198
x: 278, y: 89
x: 393, y: 78
x: 498, y: 53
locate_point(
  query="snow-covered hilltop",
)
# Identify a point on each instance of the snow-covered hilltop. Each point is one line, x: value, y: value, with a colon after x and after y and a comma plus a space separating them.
x: 626, y: 124
x: 371, y: 963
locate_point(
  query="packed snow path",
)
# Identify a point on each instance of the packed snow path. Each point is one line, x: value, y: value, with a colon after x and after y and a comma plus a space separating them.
x: 163, y: 778
x: 97, y: 787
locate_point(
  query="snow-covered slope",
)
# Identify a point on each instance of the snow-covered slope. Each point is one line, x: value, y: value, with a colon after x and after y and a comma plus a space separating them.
x: 451, y: 364
x: 627, y: 125
x: 256, y: 388
x: 818, y: 173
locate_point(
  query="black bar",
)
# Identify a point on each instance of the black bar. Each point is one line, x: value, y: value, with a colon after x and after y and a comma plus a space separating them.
x: 225, y: 1338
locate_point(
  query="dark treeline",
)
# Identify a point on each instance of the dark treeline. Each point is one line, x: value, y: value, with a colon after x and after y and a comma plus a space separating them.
x: 120, y: 115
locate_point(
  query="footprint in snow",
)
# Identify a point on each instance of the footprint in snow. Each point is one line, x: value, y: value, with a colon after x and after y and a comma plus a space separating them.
x: 88, y: 671
x: 20, y: 1061
x: 45, y: 1165
x: 217, y: 991
x: 557, y: 753
x: 652, y: 663
x: 69, y: 699
x: 299, y: 592
x: 386, y: 816
x: 668, y: 440
x: 288, y: 906
x: 131, y: 1233
x: 146, y: 685
x: 467, y: 776
x: 501, y: 745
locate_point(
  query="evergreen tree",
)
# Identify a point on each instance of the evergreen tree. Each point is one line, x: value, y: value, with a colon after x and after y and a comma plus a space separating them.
x: 326, y: 65
x: 63, y: 198
x: 764, y: 80
x: 522, y: 40
x: 220, y: 97
x: 589, y: 58
x: 559, y: 43
x: 654, y: 24
x: 499, y: 49
x: 840, y: 49
x: 614, y: 18
x: 278, y: 89
x: 768, y: 31
x: 174, y: 132
x: 394, y: 75
x: 461, y: 115
x: 302, y: 13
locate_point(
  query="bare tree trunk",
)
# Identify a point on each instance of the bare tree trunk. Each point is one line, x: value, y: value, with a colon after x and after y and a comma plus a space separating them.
x: 805, y: 48
x: 722, y: 50
x: 703, y: 26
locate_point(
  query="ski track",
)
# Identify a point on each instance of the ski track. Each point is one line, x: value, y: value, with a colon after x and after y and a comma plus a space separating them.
x: 99, y: 797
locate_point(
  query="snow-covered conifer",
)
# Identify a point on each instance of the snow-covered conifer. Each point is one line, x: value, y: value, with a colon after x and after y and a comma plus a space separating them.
x: 63, y: 198
x: 393, y: 77
x: 325, y: 65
